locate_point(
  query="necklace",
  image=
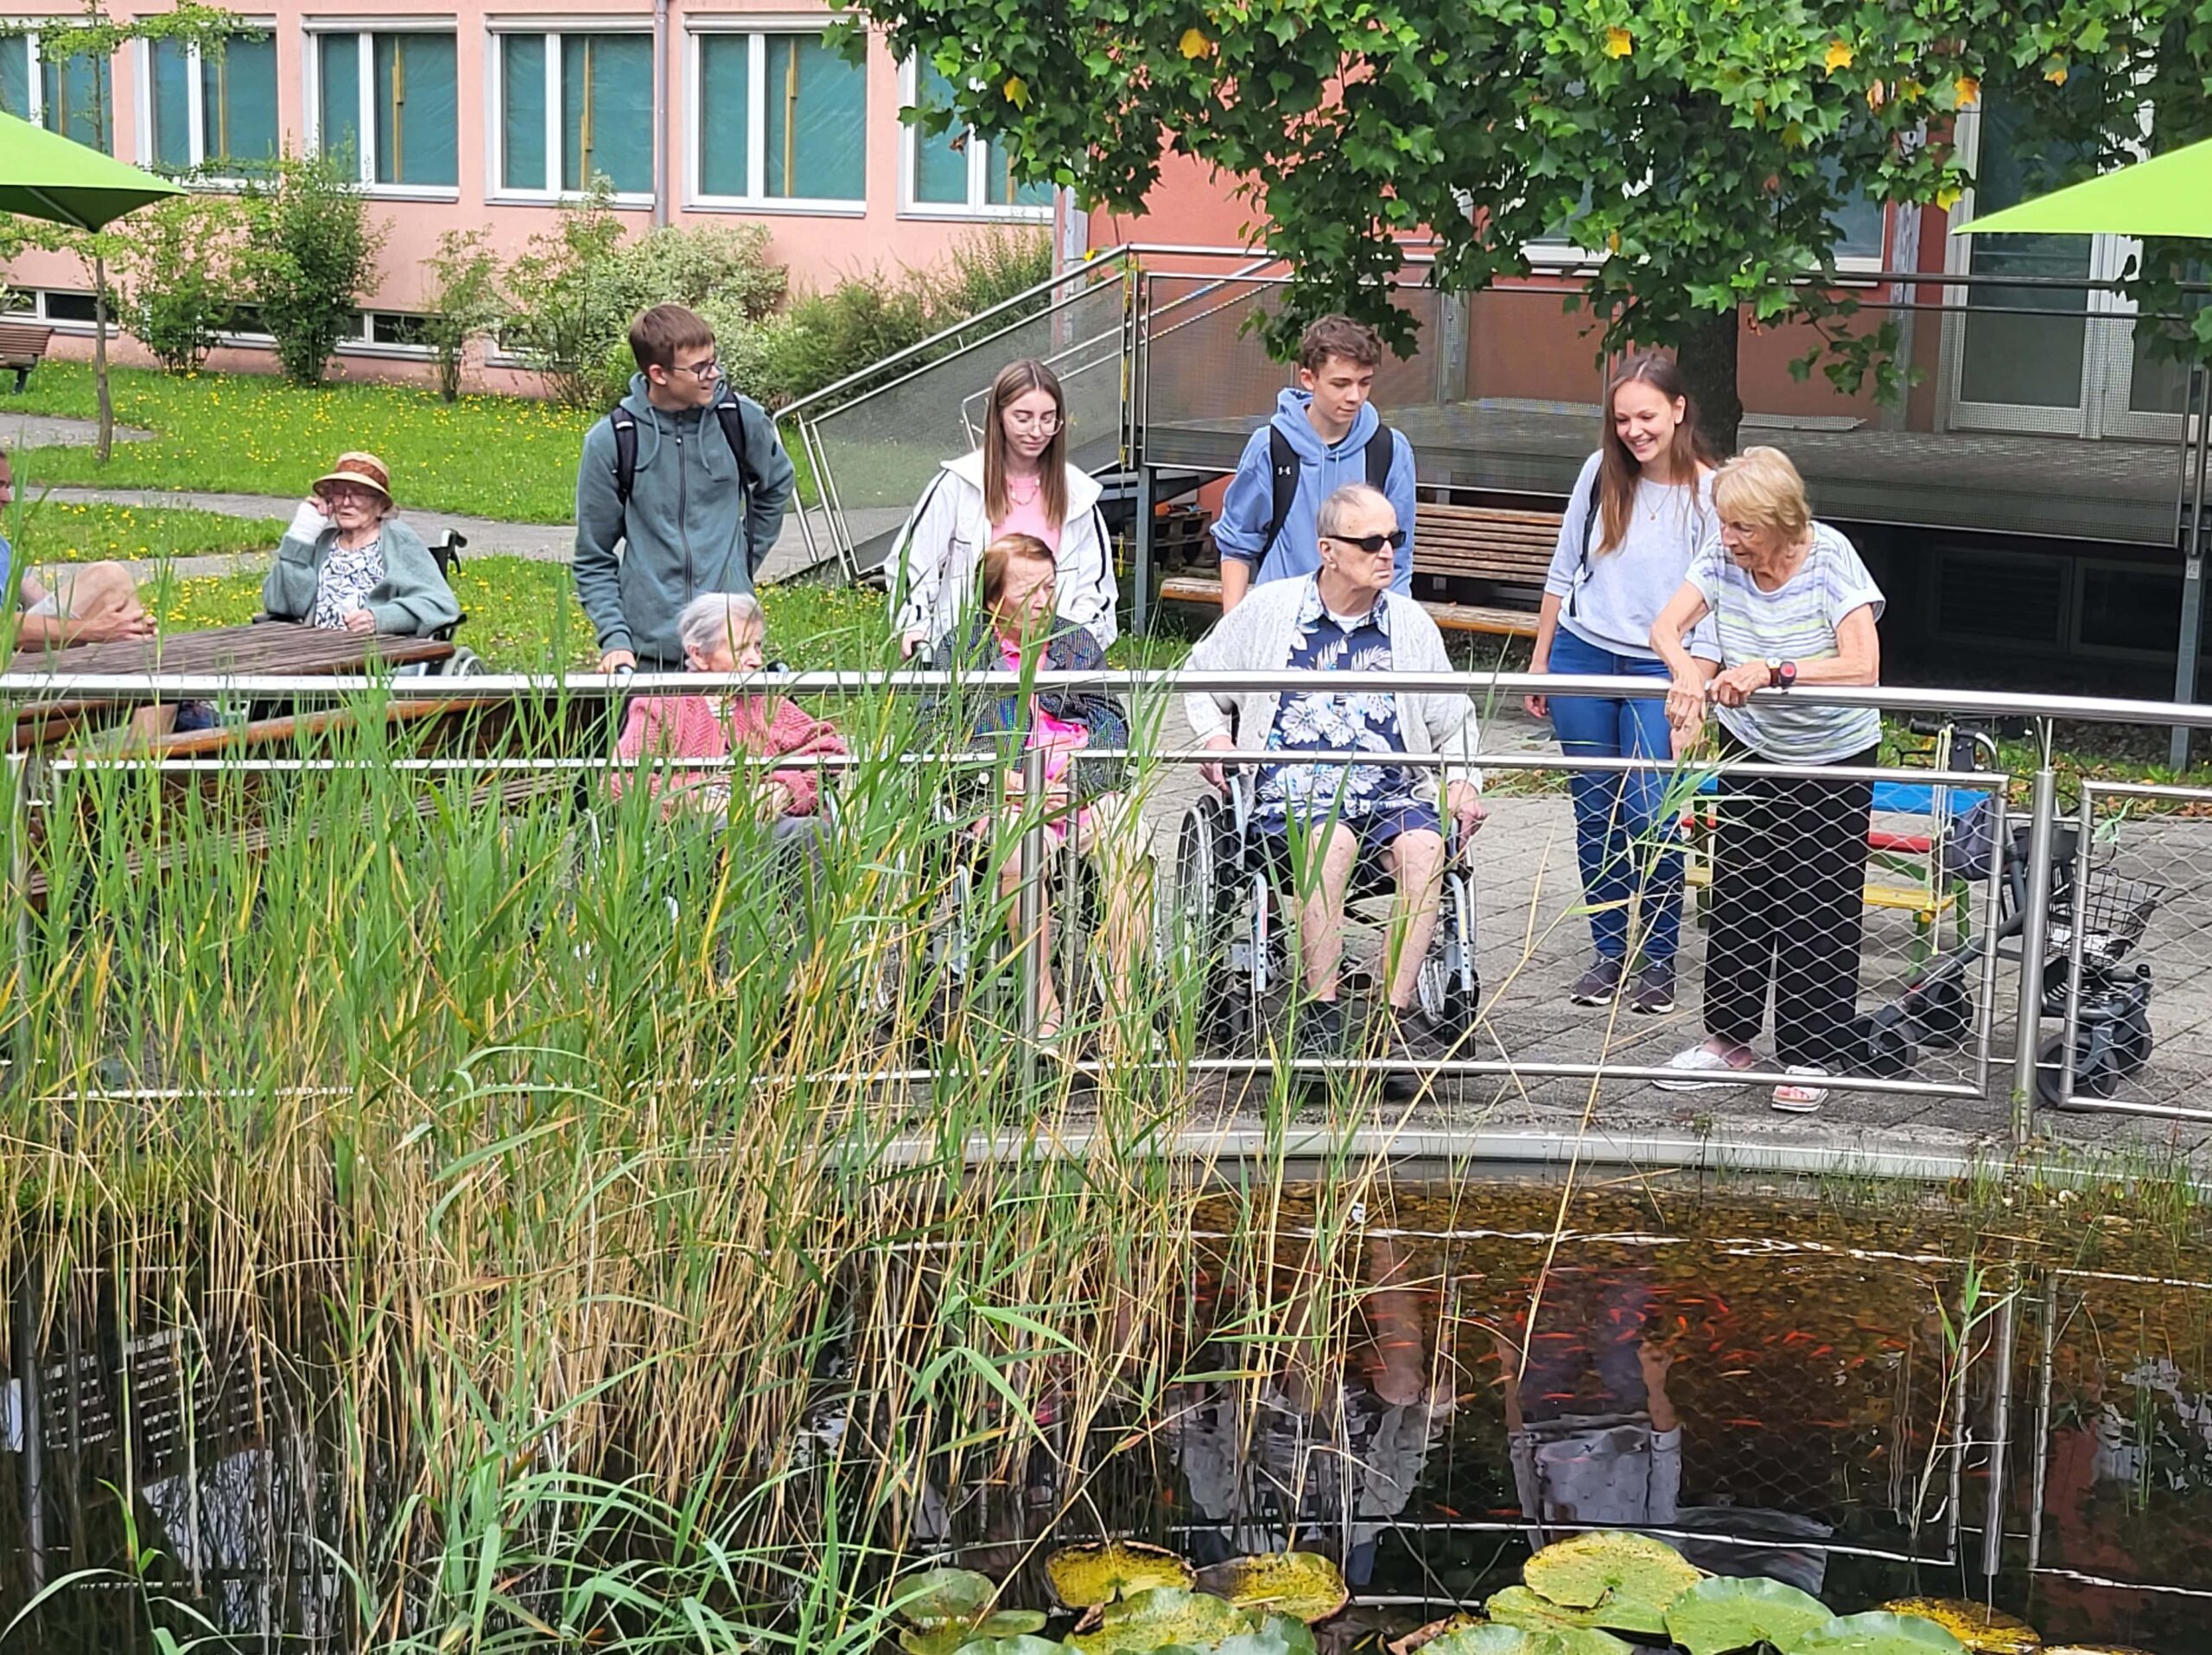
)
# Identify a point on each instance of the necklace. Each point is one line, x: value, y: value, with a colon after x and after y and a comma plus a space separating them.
x: 1036, y: 488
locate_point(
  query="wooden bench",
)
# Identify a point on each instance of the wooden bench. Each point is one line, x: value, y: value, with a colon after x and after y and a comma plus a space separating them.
x: 23, y: 348
x: 1453, y: 542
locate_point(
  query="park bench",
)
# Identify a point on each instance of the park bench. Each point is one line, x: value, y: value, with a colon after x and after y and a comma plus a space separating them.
x: 23, y: 348
x: 1491, y: 544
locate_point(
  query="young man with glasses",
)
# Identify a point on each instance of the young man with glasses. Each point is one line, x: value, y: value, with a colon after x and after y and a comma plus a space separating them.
x: 1325, y: 435
x: 689, y: 478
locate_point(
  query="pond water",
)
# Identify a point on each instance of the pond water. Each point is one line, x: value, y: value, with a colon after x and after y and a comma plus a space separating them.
x: 1866, y: 1397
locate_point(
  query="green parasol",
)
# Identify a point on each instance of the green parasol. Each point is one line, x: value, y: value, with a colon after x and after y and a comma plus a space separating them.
x: 45, y: 175
x: 2167, y: 195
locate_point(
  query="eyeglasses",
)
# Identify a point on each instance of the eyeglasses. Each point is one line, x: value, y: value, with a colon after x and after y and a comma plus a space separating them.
x: 702, y: 371
x: 1371, y: 543
x: 1023, y: 421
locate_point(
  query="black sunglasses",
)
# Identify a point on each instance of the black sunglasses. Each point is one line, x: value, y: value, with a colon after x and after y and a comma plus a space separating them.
x: 1371, y: 543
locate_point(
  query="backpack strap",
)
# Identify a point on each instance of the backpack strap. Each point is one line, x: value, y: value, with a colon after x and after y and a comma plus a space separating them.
x: 732, y: 416
x: 1381, y: 451
x: 1282, y: 474
x: 625, y: 452
x: 1591, y: 512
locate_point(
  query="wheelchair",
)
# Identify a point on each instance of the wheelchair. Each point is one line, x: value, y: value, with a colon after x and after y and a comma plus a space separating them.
x: 1228, y: 931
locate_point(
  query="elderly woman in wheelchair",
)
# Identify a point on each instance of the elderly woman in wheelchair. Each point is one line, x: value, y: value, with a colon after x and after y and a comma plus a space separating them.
x: 1016, y: 629
x: 1322, y: 830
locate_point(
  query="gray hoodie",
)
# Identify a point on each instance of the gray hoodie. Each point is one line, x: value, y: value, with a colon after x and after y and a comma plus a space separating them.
x: 694, y: 523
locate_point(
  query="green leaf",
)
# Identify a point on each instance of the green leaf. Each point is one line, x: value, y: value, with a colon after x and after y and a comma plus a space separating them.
x: 1724, y: 1613
x: 1630, y: 1579
x: 950, y: 1639
x: 1086, y: 1576
x: 1020, y: 1646
x: 1876, y: 1633
x: 1982, y: 1629
x: 1516, y: 1605
x: 1148, y: 1622
x: 1302, y: 1584
x: 1518, y: 1640
x: 942, y: 1597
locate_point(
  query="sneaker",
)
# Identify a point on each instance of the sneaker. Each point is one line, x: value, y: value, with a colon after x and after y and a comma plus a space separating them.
x: 1320, y: 1030
x: 1654, y: 992
x: 1599, y: 985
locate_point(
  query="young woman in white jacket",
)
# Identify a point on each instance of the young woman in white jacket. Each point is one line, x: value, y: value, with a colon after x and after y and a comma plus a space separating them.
x: 1018, y: 482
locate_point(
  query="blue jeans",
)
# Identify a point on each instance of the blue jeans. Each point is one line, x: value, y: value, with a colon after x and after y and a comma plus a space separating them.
x: 1620, y: 821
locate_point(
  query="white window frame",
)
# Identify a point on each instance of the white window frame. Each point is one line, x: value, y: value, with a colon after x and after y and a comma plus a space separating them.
x: 497, y: 190
x: 195, y: 107
x: 978, y: 206
x: 362, y: 29
x: 35, y: 83
x: 1555, y: 256
x: 756, y: 199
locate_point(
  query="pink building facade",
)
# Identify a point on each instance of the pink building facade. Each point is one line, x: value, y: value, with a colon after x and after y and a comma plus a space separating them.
x: 484, y: 117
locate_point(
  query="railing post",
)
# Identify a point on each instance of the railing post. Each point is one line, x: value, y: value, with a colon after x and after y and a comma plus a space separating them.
x: 2196, y: 447
x: 2035, y: 932
x: 1141, y: 554
x: 16, y: 904
x: 2001, y: 1436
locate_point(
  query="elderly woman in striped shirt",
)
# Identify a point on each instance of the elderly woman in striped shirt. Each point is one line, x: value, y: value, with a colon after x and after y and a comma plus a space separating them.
x: 1791, y: 606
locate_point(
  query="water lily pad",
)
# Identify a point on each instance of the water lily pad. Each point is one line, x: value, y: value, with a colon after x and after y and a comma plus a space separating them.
x: 1304, y: 1584
x: 1724, y: 1613
x: 1632, y: 1576
x: 1082, y: 1577
x: 1161, y: 1616
x: 1876, y: 1633
x: 2093, y: 1649
x: 1516, y: 1605
x: 944, y: 1597
x: 950, y: 1639
x: 1279, y: 1634
x: 1023, y: 1644
x: 1421, y: 1637
x: 1495, y: 1640
x: 1982, y: 1629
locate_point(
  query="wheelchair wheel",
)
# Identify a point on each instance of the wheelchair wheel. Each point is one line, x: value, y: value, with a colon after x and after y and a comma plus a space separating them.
x: 1939, y: 1008
x: 1448, y: 988
x: 1888, y: 1049
x: 2130, y: 1041
x: 2097, y: 1066
x: 1199, y: 932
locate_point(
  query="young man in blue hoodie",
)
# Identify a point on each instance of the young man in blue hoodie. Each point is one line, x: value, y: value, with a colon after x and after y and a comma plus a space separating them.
x: 689, y: 477
x: 1323, y: 435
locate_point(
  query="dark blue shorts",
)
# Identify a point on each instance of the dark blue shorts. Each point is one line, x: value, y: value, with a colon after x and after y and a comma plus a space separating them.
x: 1377, y: 830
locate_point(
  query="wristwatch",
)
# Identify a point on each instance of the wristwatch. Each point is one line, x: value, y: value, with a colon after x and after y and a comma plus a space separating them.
x: 1780, y: 674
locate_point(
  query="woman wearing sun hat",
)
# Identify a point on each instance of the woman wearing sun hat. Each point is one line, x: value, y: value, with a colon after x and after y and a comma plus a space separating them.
x: 347, y: 563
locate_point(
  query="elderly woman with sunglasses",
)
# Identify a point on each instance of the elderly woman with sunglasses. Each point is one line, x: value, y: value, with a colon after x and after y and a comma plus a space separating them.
x: 1344, y: 618
x: 347, y: 563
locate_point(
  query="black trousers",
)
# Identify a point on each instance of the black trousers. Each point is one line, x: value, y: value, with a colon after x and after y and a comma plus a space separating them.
x: 1787, y: 911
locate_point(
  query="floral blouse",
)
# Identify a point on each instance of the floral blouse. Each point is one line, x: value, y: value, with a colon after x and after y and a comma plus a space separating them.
x: 347, y: 579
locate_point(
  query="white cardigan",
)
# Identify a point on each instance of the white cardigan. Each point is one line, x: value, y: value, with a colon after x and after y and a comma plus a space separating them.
x: 934, y: 561
x: 1258, y: 636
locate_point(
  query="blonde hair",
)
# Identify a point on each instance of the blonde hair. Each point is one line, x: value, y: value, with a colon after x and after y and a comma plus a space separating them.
x: 1760, y: 488
x: 999, y: 559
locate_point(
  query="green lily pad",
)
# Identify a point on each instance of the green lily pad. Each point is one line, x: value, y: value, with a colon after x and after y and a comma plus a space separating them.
x: 1630, y: 1578
x: 950, y: 1639
x: 1982, y: 1629
x: 1084, y: 1577
x: 1302, y: 1584
x: 1279, y: 1634
x: 1148, y: 1622
x: 1724, y: 1613
x: 2093, y: 1649
x: 1495, y: 1640
x: 1516, y: 1605
x: 942, y: 1597
x: 1875, y: 1632
x: 1421, y: 1637
x: 1023, y: 1644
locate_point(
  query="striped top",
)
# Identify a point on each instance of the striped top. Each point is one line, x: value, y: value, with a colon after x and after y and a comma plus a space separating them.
x: 1795, y: 622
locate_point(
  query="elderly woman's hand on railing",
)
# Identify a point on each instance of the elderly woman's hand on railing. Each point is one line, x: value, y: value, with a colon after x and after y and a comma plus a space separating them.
x: 1736, y: 686
x: 1685, y: 704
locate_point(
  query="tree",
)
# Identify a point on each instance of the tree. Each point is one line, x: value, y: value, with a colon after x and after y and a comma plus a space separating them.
x: 1702, y: 147
x: 465, y: 302
x: 313, y: 255
x: 97, y: 37
x: 177, y: 266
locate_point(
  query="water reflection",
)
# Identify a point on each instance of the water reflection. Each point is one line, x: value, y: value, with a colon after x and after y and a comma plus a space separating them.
x: 1781, y: 1387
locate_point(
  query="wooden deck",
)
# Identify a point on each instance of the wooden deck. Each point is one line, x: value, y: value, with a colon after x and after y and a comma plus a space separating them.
x: 2020, y: 486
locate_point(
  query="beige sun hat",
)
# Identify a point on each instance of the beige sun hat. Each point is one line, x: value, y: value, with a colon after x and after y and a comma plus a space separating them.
x: 359, y: 467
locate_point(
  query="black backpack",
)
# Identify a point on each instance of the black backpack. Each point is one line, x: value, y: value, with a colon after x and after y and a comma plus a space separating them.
x: 1282, y: 473
x: 732, y: 416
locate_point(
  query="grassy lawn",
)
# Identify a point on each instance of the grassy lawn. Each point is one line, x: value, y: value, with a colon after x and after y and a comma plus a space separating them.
x: 504, y: 457
x: 65, y: 531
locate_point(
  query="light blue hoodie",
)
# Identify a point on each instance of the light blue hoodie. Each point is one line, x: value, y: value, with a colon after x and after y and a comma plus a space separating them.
x: 1321, y: 471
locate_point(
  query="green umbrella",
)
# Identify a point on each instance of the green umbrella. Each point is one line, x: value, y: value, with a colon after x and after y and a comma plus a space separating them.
x: 45, y: 175
x: 2168, y: 195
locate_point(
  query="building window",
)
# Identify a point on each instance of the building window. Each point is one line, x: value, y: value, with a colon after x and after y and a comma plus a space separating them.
x: 75, y: 97
x: 572, y: 108
x: 957, y: 170
x: 389, y: 101
x: 215, y: 111
x: 782, y: 117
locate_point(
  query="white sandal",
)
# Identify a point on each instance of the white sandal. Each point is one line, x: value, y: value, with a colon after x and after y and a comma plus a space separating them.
x: 1793, y: 1097
x: 1699, y: 1060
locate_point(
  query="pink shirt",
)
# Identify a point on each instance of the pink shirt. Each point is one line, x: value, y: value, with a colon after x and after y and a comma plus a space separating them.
x: 1029, y: 519
x: 1060, y: 739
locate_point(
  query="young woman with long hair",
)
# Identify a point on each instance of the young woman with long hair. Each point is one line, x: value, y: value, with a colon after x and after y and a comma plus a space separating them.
x: 1642, y: 507
x: 1018, y: 480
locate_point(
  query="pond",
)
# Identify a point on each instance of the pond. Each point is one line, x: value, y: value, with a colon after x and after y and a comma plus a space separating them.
x: 1865, y: 1392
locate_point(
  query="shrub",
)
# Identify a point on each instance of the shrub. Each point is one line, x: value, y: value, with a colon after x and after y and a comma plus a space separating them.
x: 574, y: 291
x: 177, y: 276
x: 465, y: 302
x: 312, y: 256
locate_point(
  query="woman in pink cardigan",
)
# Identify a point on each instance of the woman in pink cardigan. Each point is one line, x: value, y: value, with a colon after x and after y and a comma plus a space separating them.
x: 726, y: 632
